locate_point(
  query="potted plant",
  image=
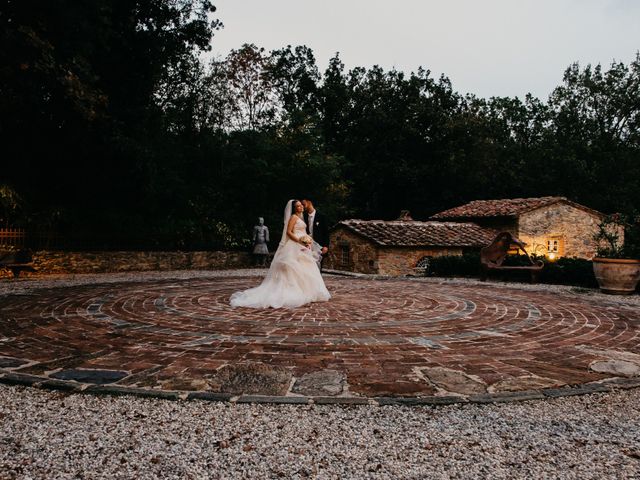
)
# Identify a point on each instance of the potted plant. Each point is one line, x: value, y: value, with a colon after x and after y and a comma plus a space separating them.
x: 617, y: 262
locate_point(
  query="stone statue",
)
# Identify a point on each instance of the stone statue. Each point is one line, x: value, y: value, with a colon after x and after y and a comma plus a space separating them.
x: 260, y: 239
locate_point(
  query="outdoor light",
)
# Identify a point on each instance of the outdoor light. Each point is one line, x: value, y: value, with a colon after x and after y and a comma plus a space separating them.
x: 552, y: 256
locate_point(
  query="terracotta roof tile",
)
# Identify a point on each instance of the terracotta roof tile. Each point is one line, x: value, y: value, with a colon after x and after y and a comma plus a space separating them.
x: 421, y: 234
x: 509, y: 207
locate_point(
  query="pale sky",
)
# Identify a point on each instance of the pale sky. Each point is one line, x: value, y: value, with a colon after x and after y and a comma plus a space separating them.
x: 486, y: 47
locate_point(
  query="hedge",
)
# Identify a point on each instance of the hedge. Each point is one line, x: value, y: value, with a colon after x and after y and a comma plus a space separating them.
x: 564, y: 271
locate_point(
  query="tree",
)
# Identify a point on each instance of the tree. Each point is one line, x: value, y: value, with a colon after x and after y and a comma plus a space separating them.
x: 596, y: 134
x: 295, y: 77
x: 77, y: 84
x: 251, y: 93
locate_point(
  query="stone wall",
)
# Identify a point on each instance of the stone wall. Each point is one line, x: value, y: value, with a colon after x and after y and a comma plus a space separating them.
x: 402, y: 260
x: 573, y: 227
x: 363, y: 254
x: 47, y: 262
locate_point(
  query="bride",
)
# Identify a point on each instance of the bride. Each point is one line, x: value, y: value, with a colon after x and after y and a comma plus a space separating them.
x: 294, y: 277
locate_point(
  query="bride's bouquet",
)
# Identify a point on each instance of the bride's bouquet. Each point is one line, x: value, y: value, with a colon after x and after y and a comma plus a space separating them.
x: 311, y: 247
x: 306, y: 240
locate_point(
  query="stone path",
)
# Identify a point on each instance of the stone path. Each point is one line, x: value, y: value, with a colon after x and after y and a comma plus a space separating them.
x: 375, y: 339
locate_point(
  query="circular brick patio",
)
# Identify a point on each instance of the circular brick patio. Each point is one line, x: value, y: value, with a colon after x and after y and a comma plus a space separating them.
x: 375, y: 338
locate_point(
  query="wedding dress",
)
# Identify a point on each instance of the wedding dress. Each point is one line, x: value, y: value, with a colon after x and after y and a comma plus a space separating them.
x: 293, y: 279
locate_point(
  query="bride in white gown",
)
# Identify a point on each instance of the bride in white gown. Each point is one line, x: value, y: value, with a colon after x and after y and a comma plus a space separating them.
x: 294, y: 277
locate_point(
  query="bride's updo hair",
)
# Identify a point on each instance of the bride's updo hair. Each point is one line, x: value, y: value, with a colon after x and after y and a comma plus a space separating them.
x: 293, y: 206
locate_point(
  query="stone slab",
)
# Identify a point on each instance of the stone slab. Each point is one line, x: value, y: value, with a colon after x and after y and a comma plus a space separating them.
x: 507, y: 397
x: 288, y: 400
x: 251, y: 378
x: 20, y: 379
x: 98, y: 377
x: 575, y: 390
x: 432, y: 400
x: 9, y: 362
x: 209, y: 396
x: 320, y: 383
x: 341, y: 401
x: 60, y: 385
x: 138, y: 392
x: 624, y: 383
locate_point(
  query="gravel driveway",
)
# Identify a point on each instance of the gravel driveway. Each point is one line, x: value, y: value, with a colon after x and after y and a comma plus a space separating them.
x: 52, y: 435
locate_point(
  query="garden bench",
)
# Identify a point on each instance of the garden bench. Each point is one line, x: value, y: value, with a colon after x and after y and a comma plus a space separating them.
x: 16, y: 261
x: 492, y: 256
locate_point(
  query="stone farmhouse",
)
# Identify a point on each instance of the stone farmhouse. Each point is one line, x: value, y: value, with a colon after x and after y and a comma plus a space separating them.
x: 401, y: 246
x: 550, y: 226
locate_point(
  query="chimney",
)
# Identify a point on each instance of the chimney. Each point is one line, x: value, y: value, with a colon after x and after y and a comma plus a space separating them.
x: 405, y: 216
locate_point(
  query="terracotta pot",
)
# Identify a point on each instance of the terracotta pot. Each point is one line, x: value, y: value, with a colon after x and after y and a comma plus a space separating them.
x: 618, y: 276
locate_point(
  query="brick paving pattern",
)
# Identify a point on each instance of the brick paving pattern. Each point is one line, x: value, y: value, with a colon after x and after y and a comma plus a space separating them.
x: 385, y: 337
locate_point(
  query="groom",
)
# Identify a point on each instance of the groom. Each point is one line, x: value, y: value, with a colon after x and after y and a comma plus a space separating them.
x: 317, y: 227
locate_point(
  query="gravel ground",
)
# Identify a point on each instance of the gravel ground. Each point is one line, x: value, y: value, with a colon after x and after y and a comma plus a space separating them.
x: 47, y: 434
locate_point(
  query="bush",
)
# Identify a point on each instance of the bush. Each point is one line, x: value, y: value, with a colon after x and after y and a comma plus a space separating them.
x: 608, y: 236
x: 564, y: 271
x: 569, y: 271
x: 465, y: 265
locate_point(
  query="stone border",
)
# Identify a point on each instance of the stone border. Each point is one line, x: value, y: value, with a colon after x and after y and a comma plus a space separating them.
x: 604, y: 386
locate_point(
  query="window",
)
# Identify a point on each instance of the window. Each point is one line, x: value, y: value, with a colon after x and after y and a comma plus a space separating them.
x: 345, y: 258
x: 555, y: 247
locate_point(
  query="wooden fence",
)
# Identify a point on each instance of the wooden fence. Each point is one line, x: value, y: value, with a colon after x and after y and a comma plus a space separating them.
x: 12, y: 237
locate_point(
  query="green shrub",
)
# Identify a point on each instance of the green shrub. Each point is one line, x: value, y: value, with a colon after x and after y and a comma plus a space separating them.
x: 564, y: 271
x: 610, y: 244
x: 466, y: 265
x: 569, y: 271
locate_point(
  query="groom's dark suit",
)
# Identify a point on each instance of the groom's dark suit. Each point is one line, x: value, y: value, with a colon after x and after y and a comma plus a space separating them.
x: 320, y: 228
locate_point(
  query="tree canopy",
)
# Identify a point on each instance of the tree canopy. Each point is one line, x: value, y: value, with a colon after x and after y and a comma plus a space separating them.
x: 114, y: 128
